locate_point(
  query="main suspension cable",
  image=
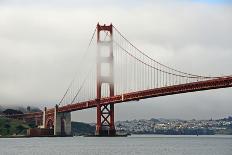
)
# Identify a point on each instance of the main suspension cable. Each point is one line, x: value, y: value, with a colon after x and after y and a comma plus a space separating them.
x: 192, y: 75
x: 83, y: 58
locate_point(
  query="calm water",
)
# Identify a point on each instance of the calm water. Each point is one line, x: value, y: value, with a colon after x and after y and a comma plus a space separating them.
x: 133, y: 145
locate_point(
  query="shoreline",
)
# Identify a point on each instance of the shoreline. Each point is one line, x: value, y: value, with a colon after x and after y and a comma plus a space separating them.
x: 24, y: 136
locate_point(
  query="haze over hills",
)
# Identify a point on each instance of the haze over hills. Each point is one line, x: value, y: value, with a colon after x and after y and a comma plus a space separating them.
x: 20, y: 108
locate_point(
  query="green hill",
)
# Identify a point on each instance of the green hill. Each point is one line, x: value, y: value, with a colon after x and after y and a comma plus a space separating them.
x: 79, y: 128
x: 9, y: 127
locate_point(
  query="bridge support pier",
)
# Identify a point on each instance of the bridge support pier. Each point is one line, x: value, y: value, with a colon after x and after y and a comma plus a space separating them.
x: 62, y: 123
x: 105, y: 120
x: 44, y: 117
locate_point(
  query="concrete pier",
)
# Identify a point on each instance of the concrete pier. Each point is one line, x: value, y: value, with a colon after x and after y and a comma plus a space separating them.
x: 62, y: 123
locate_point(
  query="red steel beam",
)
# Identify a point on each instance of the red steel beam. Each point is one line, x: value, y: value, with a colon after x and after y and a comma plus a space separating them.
x: 223, y: 82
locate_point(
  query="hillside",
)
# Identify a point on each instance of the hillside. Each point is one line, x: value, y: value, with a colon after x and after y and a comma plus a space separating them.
x: 9, y: 127
x: 79, y: 128
x: 12, y: 127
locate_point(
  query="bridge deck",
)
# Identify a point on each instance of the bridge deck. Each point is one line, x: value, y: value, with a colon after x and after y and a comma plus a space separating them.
x: 223, y: 82
x: 170, y: 90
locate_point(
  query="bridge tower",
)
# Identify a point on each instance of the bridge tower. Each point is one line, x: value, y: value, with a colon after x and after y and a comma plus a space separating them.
x: 105, y: 113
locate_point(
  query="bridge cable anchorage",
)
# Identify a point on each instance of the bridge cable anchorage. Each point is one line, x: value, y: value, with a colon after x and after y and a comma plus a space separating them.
x: 83, y: 58
x: 192, y: 75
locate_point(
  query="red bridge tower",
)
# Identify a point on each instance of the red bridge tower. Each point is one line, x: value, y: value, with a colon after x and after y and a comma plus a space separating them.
x: 105, y: 113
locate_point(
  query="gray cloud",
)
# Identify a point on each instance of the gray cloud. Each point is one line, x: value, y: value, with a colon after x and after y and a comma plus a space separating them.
x: 41, y: 46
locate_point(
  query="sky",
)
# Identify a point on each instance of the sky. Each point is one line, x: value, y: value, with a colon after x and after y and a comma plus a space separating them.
x: 42, y: 41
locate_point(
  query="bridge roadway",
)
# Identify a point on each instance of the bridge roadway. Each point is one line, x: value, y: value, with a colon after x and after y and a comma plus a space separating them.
x: 222, y: 82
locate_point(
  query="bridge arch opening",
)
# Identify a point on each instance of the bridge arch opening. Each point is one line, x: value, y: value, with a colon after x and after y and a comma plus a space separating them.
x: 50, y: 123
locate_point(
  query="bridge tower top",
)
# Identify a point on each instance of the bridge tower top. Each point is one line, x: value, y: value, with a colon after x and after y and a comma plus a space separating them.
x: 103, y: 60
x: 104, y: 27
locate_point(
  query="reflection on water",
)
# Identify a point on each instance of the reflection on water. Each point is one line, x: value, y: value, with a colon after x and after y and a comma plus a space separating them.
x: 132, y: 145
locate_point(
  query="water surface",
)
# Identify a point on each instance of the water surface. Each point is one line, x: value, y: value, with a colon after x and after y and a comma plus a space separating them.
x: 132, y: 145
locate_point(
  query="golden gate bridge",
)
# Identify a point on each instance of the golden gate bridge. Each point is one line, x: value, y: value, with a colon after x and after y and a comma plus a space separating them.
x: 117, y: 72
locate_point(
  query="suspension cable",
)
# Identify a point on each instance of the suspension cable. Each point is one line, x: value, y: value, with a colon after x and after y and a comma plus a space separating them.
x: 83, y: 58
x: 192, y: 75
x: 82, y: 85
x: 163, y: 71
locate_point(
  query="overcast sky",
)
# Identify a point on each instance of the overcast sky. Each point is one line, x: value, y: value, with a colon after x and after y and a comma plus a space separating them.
x: 42, y: 41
